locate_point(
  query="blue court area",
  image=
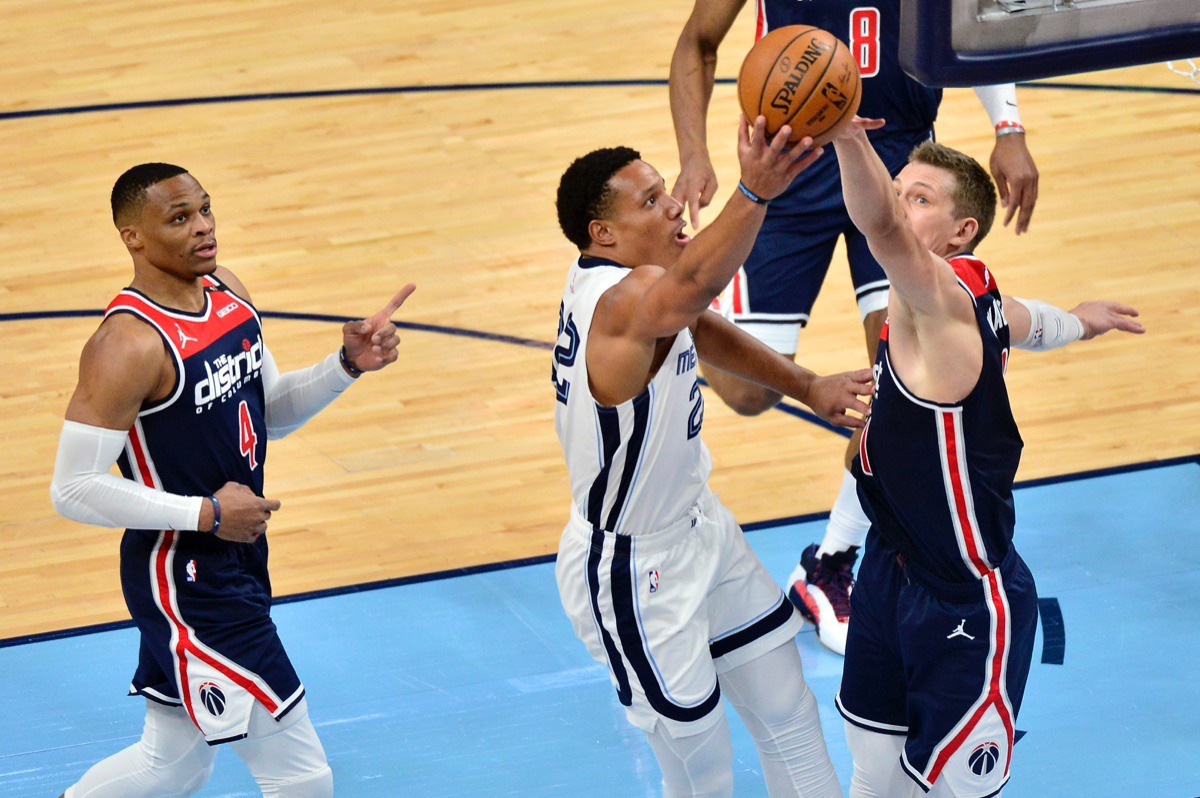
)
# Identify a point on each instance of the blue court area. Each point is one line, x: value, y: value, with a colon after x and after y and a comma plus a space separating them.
x: 476, y: 686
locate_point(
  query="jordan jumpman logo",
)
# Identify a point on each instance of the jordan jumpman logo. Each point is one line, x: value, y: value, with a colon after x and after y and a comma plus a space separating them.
x: 959, y: 632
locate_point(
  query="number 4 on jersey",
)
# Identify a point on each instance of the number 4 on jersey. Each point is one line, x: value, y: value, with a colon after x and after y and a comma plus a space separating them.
x: 247, y: 439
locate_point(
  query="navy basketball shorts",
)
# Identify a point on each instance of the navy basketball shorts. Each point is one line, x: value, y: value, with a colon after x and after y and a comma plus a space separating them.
x: 669, y: 610
x: 947, y: 670
x: 208, y: 643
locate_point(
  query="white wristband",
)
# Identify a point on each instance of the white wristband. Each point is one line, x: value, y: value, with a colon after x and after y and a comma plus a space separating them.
x: 83, y: 489
x: 1049, y: 327
x: 1000, y: 102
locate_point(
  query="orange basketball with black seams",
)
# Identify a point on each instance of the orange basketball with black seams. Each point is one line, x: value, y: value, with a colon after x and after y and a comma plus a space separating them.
x: 801, y: 76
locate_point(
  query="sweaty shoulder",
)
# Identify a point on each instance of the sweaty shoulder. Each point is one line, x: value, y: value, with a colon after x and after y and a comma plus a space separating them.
x: 123, y: 365
x: 619, y: 305
x: 231, y: 280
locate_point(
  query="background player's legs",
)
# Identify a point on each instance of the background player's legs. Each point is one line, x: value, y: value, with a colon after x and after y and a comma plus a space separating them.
x: 695, y: 766
x: 772, y: 295
x: 170, y: 760
x: 821, y: 583
x: 285, y: 757
x: 773, y: 700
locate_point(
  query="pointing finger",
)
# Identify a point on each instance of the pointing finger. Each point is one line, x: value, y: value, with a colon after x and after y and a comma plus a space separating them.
x: 398, y: 300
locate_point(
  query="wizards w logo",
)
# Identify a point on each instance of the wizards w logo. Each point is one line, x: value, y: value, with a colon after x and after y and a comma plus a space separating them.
x: 212, y: 698
x: 983, y: 759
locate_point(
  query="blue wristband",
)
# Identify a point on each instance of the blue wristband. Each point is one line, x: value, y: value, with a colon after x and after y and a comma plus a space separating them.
x: 216, y: 515
x: 757, y: 200
x: 353, y: 370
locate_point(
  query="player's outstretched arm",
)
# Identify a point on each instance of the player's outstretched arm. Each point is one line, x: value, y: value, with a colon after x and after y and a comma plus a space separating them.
x: 369, y: 344
x: 720, y: 343
x: 1038, y: 326
x: 123, y: 365
x: 1011, y: 164
x: 921, y: 279
x: 661, y: 304
x: 693, y: 73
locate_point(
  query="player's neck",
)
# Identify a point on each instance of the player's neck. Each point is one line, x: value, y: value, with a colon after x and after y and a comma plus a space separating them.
x: 168, y: 289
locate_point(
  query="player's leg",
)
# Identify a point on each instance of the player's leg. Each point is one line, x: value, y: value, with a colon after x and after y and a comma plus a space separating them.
x: 284, y: 756
x: 821, y: 583
x: 753, y: 628
x: 653, y: 635
x: 170, y: 760
x: 877, y: 772
x: 773, y: 700
x: 695, y: 765
x: 772, y: 295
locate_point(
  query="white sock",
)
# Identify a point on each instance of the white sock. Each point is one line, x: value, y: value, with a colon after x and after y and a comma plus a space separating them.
x: 848, y: 524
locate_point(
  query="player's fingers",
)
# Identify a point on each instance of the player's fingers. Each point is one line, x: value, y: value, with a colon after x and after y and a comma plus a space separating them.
x: 693, y: 206
x: 1124, y: 310
x: 271, y: 505
x: 857, y: 406
x: 1028, y: 200
x: 799, y: 166
x: 743, y: 132
x: 394, y: 304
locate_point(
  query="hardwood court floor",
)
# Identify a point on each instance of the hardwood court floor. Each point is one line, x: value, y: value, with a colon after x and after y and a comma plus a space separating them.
x: 328, y: 202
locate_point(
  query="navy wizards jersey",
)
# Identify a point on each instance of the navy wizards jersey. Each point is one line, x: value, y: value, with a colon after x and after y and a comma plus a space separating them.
x: 202, y: 603
x: 872, y: 32
x: 936, y: 479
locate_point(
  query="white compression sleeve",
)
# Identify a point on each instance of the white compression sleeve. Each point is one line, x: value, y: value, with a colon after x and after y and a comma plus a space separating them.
x: 1049, y: 327
x: 1000, y: 102
x: 295, y: 397
x: 83, y: 489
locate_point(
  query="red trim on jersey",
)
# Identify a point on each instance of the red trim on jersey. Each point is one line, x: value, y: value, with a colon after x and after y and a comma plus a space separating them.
x: 972, y: 272
x: 141, y: 456
x: 862, y: 449
x: 883, y: 331
x: 760, y: 25
x: 960, y: 499
x: 738, y: 303
x: 189, y: 334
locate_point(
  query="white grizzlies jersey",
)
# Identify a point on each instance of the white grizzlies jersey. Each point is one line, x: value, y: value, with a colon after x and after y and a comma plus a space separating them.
x: 640, y: 466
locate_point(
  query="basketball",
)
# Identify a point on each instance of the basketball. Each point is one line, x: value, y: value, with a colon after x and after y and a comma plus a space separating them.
x: 801, y: 76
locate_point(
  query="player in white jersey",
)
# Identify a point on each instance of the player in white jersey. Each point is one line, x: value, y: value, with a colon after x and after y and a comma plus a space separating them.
x: 653, y: 571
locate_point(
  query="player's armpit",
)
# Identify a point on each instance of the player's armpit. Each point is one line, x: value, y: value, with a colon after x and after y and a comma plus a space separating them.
x: 123, y: 365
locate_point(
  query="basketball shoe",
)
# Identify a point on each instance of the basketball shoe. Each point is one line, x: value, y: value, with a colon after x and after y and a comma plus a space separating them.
x: 820, y: 588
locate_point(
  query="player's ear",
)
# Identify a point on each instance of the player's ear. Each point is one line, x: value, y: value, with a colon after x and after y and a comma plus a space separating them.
x: 132, y: 237
x: 967, y: 229
x: 601, y: 233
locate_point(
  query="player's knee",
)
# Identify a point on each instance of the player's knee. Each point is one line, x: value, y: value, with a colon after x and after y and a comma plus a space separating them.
x: 315, y: 783
x: 748, y: 399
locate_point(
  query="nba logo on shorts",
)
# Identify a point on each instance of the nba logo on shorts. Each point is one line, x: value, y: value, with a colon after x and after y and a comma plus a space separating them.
x: 983, y: 759
x: 191, y: 570
x: 654, y: 581
x: 212, y: 698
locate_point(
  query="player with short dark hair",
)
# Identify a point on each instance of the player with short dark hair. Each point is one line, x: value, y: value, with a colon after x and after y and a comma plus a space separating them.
x: 944, y: 610
x: 772, y: 296
x: 178, y: 388
x: 653, y: 571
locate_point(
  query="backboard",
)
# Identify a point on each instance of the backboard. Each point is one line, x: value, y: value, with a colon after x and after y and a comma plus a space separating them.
x: 981, y: 42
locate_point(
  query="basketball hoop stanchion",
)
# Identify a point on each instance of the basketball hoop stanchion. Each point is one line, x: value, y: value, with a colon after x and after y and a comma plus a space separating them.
x: 1191, y: 71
